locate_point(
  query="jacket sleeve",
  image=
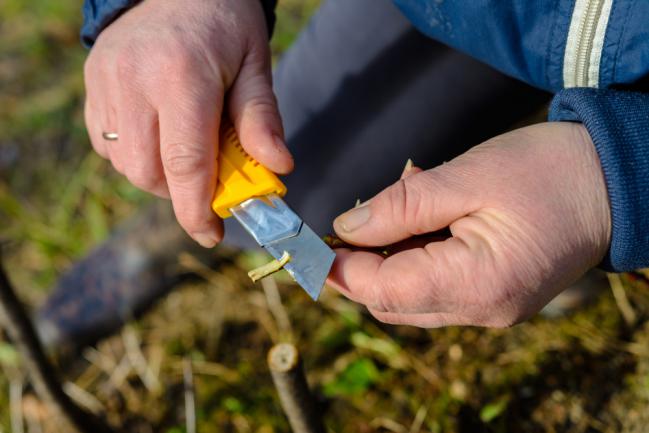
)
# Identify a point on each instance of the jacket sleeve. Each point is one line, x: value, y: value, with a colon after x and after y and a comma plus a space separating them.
x: 618, y: 123
x: 98, y: 14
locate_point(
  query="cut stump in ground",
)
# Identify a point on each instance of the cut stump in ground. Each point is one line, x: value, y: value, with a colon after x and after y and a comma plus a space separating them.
x: 297, y: 401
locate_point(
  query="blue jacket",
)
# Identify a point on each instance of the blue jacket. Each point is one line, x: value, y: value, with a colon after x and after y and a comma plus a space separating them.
x: 593, y: 54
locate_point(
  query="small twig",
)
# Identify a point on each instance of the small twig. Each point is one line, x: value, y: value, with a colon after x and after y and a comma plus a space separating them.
x: 16, y: 406
x: 41, y: 372
x: 388, y: 424
x: 83, y: 397
x: 138, y: 361
x: 420, y: 417
x: 206, y: 368
x: 621, y: 299
x: 117, y: 372
x: 269, y: 268
x: 274, y: 301
x: 294, y: 394
x: 190, y: 401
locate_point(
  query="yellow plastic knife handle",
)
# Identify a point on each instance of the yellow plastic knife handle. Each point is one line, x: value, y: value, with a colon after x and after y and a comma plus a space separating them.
x: 240, y: 177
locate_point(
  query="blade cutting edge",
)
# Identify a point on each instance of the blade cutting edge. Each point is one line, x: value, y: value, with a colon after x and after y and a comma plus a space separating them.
x: 311, y: 259
x: 278, y: 229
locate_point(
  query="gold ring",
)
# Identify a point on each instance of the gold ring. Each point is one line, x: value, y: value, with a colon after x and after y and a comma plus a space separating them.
x: 110, y: 136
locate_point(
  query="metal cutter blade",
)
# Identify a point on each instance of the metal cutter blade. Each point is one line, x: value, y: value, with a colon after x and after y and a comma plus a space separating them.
x: 278, y: 229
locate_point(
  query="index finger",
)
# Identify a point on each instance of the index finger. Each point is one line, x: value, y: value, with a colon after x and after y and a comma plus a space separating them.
x: 189, y: 131
x: 415, y: 281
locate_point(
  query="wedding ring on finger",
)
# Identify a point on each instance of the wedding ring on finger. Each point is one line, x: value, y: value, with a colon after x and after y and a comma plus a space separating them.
x: 110, y: 136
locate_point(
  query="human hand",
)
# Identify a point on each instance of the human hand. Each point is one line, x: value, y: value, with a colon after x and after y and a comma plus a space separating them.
x: 528, y: 212
x: 158, y: 76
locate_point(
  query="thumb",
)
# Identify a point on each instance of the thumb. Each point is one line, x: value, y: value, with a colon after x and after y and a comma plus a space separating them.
x: 420, y: 203
x: 253, y: 110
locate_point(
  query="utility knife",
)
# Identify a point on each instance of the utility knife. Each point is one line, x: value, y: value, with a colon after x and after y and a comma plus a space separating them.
x: 253, y: 195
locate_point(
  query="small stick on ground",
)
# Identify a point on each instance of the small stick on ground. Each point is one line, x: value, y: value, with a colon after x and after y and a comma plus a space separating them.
x: 138, y: 360
x: 190, y: 401
x: 623, y: 304
x: 294, y: 394
x: 274, y: 301
x: 16, y: 406
x: 83, y: 397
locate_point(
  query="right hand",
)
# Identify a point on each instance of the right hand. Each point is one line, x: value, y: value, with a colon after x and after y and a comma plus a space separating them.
x: 158, y: 77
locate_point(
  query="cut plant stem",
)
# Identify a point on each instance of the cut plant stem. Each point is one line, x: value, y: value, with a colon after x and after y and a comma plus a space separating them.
x: 296, y: 399
x: 269, y: 268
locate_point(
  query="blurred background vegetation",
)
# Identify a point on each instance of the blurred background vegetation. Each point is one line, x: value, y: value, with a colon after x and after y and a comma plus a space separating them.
x: 585, y: 372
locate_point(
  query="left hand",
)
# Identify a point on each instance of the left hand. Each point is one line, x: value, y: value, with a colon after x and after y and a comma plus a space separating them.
x: 528, y: 212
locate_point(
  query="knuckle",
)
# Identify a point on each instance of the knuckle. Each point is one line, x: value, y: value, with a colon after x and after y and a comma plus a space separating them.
x: 125, y: 64
x: 141, y: 178
x: 175, y: 60
x: 184, y: 160
x: 256, y: 87
x: 412, y: 208
x: 395, y: 198
x: 261, y: 106
x: 405, y: 201
x: 424, y: 199
x: 388, y: 295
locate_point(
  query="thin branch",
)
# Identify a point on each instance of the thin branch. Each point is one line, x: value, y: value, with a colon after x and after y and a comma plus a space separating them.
x: 41, y: 372
x: 190, y: 400
x: 83, y: 397
x: 138, y: 360
x: 623, y: 304
x: 274, y: 301
x: 16, y: 406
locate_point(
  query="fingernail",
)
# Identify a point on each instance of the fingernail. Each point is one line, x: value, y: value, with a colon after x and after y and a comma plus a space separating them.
x: 408, y: 167
x: 353, y: 219
x: 206, y: 240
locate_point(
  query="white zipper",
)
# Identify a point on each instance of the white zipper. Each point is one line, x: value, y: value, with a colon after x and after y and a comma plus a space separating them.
x: 585, y: 43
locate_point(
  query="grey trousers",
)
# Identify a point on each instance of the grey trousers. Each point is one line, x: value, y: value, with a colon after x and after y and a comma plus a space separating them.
x: 361, y: 91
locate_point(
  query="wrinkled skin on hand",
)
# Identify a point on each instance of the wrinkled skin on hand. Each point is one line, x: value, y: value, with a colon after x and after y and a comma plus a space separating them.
x: 158, y: 76
x: 528, y: 212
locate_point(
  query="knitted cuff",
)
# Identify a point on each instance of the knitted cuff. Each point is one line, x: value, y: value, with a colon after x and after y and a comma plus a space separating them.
x: 618, y: 123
